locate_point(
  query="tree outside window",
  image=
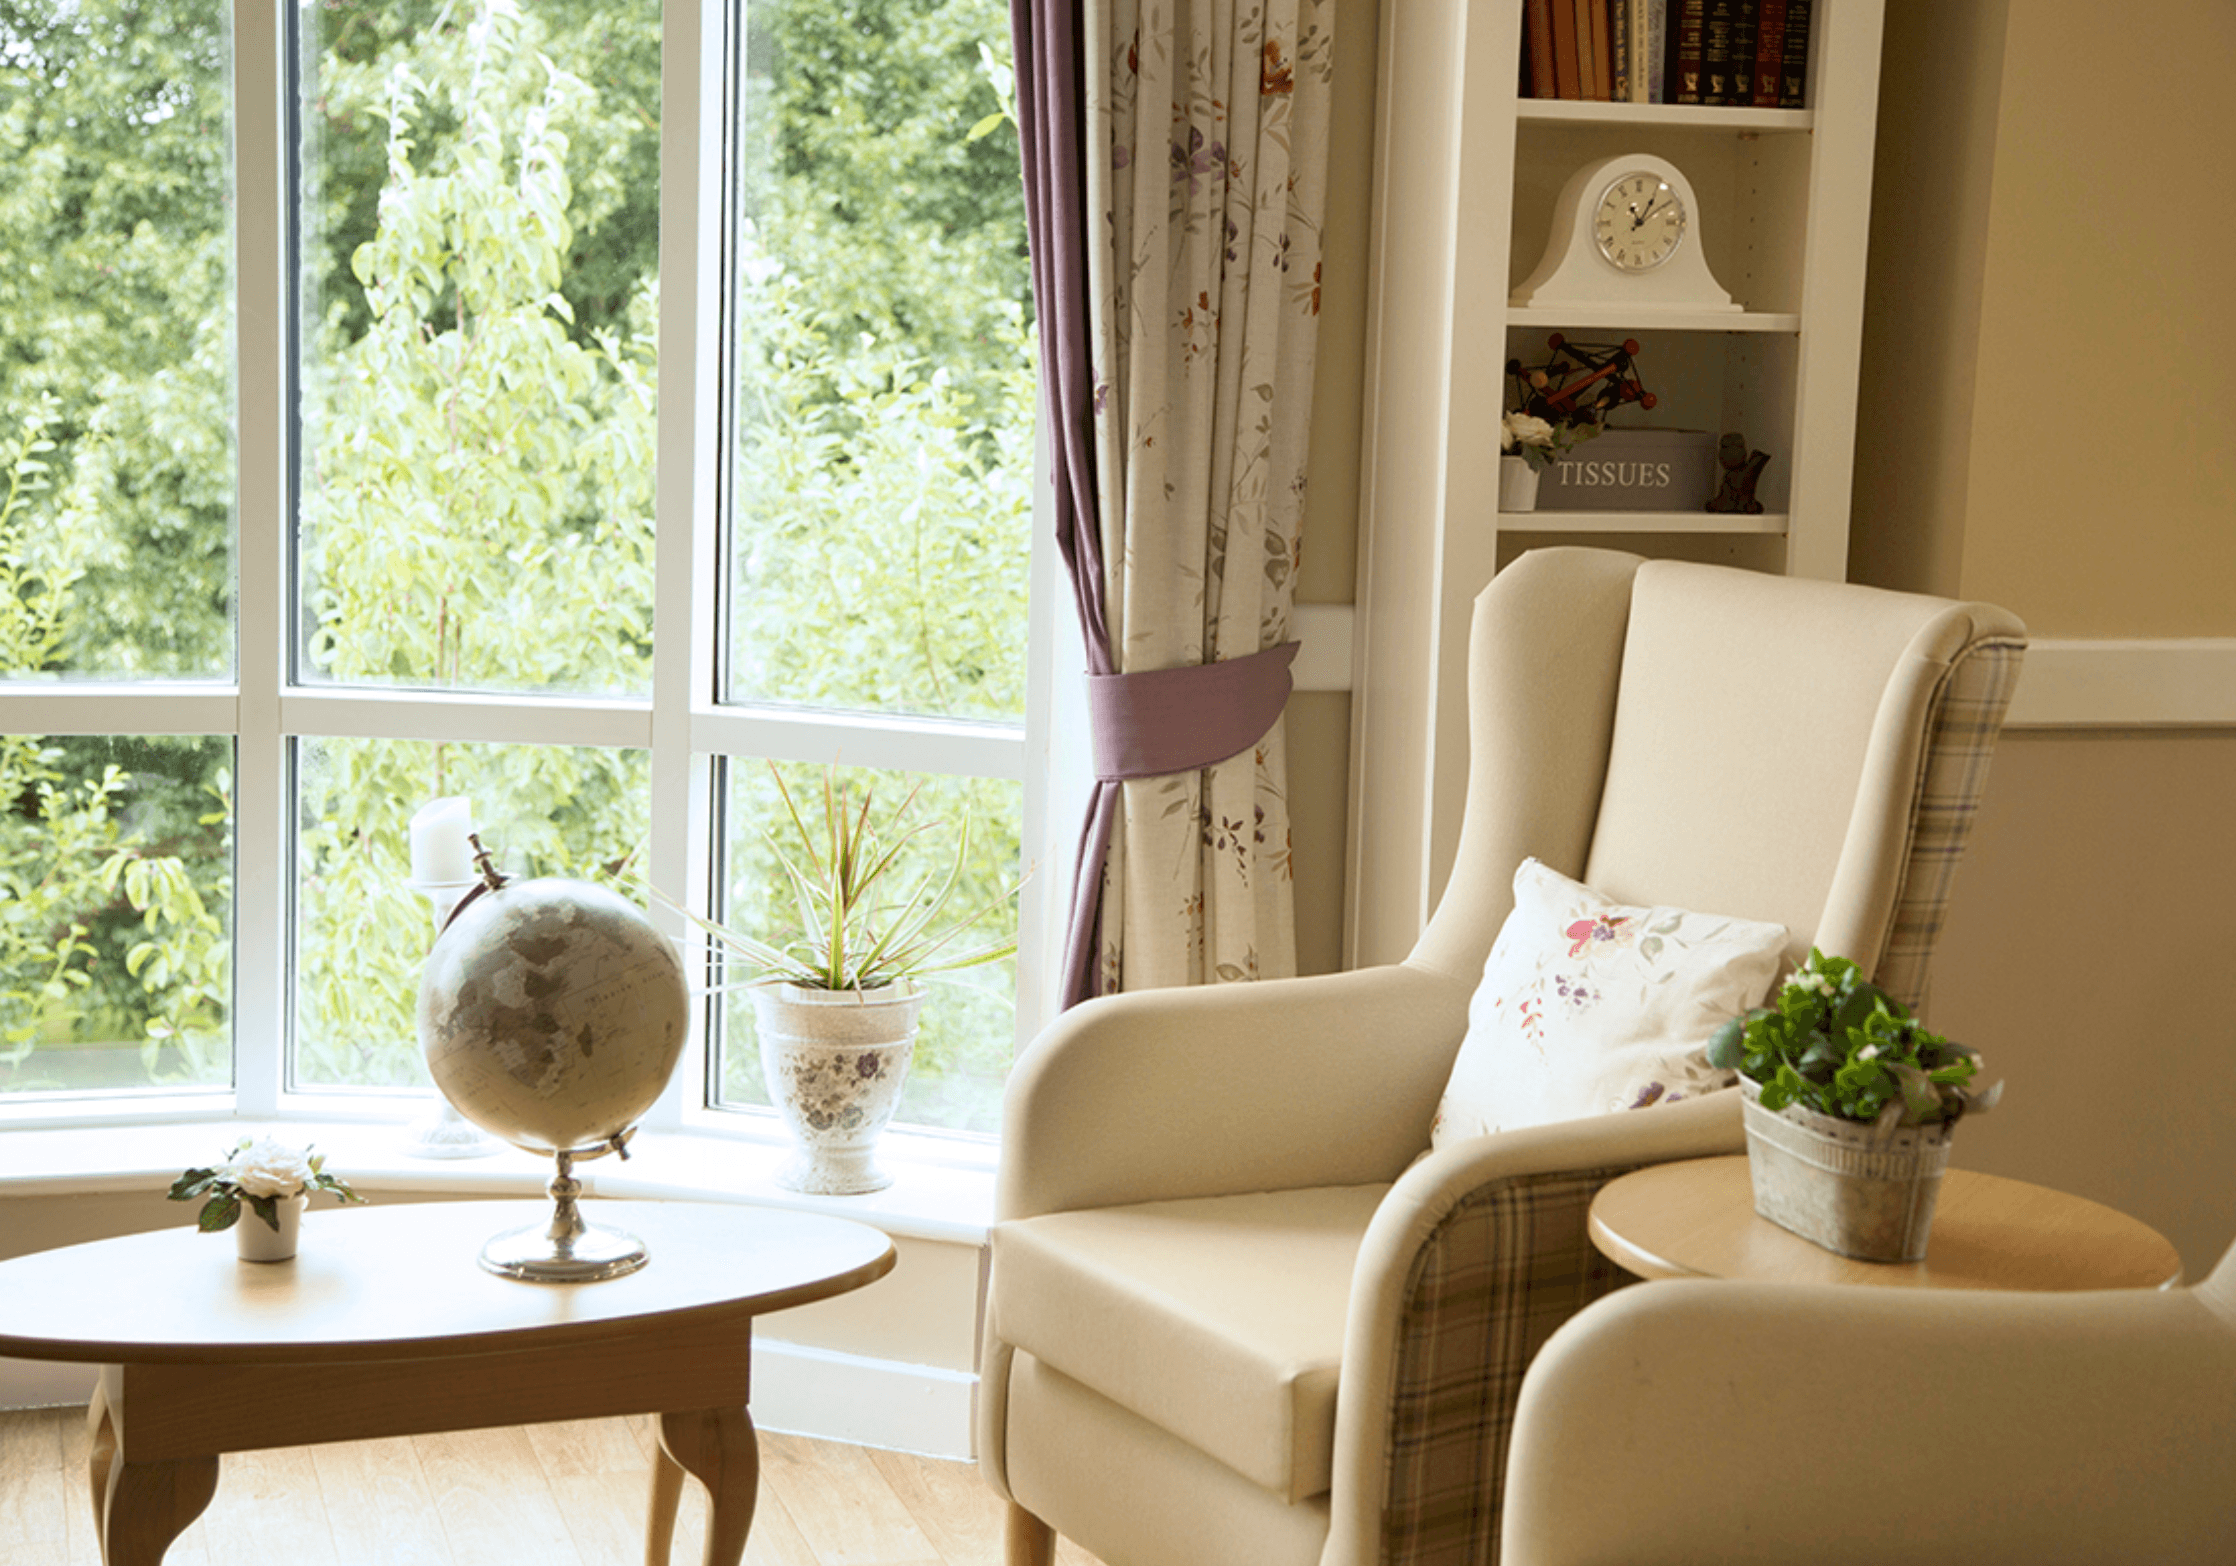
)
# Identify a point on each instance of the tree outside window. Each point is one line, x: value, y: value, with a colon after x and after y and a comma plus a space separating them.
x: 479, y: 273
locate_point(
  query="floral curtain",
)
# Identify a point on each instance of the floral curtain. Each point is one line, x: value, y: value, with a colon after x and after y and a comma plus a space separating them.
x: 1205, y: 155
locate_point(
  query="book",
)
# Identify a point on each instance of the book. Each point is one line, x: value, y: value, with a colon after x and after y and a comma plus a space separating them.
x: 1687, y: 22
x: 1537, y: 48
x: 1588, y: 13
x: 1618, y: 50
x: 1716, y: 25
x: 1793, y: 76
x: 1648, y: 50
x: 1567, y: 71
x: 1740, y: 88
x: 1770, y: 53
x: 1603, y: 38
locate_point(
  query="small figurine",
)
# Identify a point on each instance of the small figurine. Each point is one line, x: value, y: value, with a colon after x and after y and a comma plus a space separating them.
x: 1742, y: 471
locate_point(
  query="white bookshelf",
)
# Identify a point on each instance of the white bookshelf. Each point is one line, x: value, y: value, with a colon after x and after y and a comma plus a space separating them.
x: 1466, y: 173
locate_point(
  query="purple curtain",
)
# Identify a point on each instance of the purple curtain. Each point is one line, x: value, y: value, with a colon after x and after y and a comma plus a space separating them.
x: 1050, y: 90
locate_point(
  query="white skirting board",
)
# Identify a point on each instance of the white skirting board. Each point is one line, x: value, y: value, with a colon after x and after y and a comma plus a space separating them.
x: 865, y: 1402
x: 796, y: 1390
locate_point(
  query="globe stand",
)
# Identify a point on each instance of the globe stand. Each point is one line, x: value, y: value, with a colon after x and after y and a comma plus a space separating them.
x: 566, y: 1250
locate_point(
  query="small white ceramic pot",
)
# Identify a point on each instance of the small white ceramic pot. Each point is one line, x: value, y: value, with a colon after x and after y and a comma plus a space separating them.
x: 259, y: 1242
x: 1517, y: 484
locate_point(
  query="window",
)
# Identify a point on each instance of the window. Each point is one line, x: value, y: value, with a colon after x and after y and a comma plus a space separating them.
x: 602, y: 439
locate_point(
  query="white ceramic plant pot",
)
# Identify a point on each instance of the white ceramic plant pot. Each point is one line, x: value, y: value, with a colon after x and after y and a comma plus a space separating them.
x: 1517, y: 484
x: 834, y: 1062
x: 259, y: 1242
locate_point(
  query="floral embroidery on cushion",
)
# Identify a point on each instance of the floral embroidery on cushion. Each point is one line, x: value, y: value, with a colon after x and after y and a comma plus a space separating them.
x: 1599, y: 928
x: 1575, y: 991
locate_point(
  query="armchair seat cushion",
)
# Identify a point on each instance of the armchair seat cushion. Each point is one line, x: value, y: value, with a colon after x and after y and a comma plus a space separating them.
x: 1217, y: 1319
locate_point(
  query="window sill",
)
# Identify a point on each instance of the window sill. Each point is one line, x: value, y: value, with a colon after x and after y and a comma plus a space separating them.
x: 940, y: 1191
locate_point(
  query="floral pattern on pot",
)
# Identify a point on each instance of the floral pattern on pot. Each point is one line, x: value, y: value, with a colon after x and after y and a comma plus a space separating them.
x: 1587, y: 1006
x: 834, y: 1062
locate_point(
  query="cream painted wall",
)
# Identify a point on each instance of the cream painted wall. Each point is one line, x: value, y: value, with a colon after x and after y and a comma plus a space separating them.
x: 2049, y: 374
x: 2087, y: 955
x: 2102, y: 493
x: 2046, y: 422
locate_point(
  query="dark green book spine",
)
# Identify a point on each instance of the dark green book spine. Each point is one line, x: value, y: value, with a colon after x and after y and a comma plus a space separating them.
x: 1717, y: 25
x: 1739, y: 88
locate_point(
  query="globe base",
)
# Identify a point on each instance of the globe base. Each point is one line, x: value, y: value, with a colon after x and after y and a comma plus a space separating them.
x: 590, y: 1255
x: 567, y: 1250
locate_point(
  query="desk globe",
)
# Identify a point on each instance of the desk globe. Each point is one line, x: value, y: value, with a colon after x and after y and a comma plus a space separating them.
x: 551, y: 1013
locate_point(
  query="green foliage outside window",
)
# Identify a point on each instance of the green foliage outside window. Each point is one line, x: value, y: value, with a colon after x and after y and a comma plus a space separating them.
x: 480, y: 285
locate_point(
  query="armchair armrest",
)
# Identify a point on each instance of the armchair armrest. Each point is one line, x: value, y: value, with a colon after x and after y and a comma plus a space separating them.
x: 1741, y: 1423
x: 1330, y: 1080
x: 1477, y: 1255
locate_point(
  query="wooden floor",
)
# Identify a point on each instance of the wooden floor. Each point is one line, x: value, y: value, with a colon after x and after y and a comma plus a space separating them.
x: 555, y: 1495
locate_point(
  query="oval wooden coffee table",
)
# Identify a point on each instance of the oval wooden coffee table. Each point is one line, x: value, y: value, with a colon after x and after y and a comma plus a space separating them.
x: 1697, y: 1219
x: 386, y: 1325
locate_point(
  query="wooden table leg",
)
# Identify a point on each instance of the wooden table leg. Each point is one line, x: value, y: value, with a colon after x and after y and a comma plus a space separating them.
x: 102, y: 1428
x: 716, y: 1446
x: 150, y: 1504
x: 667, y: 1496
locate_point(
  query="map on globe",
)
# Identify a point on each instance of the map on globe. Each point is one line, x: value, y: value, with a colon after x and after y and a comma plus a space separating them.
x: 552, y: 1013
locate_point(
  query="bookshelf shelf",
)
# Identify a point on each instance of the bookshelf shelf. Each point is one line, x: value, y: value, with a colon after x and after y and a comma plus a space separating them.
x: 1562, y: 111
x: 1467, y: 184
x: 1766, y: 524
x: 1783, y: 321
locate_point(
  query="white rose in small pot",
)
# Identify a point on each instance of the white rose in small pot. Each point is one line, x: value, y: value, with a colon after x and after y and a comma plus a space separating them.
x: 274, y: 1181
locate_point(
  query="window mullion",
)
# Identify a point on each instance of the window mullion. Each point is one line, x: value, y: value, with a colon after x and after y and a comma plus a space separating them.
x: 693, y: 63
x: 261, y: 805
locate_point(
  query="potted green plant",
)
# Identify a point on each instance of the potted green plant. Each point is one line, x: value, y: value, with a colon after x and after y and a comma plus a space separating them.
x: 1849, y: 1106
x: 836, y: 995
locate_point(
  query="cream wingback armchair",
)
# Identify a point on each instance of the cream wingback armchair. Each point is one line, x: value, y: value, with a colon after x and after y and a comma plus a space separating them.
x: 1848, y: 1426
x: 1234, y: 1315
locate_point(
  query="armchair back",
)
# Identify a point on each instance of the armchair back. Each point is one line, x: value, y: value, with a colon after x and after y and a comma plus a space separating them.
x: 1726, y: 741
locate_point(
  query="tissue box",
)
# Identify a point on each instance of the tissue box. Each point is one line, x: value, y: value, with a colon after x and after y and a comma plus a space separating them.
x: 1633, y: 470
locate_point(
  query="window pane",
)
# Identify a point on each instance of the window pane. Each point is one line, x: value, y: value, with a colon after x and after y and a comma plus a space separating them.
x: 116, y: 339
x: 480, y: 259
x: 969, y: 1023
x: 116, y: 918
x: 362, y: 933
x: 885, y: 377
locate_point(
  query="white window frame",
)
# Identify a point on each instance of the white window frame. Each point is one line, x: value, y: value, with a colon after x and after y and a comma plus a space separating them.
x: 681, y: 725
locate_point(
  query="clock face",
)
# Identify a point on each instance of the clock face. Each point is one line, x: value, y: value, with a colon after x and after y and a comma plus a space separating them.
x: 1639, y: 222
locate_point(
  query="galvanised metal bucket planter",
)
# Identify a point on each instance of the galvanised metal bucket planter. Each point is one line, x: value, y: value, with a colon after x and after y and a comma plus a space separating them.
x: 1853, y: 1189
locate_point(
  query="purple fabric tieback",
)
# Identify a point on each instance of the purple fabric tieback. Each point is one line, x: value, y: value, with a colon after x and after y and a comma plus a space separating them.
x: 1161, y: 721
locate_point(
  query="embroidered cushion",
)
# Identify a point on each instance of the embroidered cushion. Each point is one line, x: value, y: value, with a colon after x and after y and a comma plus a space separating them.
x: 1587, y: 1006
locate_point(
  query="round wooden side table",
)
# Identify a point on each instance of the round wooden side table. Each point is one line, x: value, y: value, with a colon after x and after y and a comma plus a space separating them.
x: 1697, y: 1219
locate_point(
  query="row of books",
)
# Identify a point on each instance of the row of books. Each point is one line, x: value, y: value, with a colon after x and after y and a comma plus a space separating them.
x: 1751, y: 53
